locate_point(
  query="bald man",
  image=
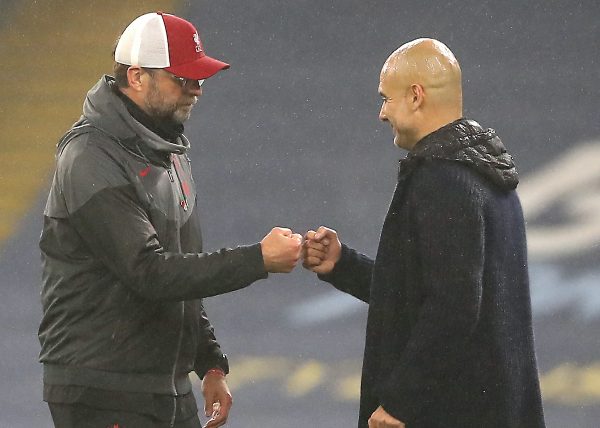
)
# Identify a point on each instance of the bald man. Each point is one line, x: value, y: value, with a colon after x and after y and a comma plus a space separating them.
x: 449, y: 339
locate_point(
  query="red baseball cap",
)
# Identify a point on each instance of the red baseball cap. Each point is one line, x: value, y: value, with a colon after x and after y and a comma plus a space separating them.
x: 161, y: 40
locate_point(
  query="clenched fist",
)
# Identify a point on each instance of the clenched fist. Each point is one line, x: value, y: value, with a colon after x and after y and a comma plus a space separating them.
x: 281, y: 250
x: 322, y: 250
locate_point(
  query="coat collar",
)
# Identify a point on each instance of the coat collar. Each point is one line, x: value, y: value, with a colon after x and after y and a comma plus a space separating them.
x: 466, y: 142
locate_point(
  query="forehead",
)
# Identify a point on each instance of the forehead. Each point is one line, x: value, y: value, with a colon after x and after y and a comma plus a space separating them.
x: 385, y: 78
x: 395, y: 74
x: 392, y: 66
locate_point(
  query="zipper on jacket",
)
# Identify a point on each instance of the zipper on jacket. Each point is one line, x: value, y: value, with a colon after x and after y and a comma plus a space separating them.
x: 183, y: 203
x: 174, y: 372
x: 179, y: 339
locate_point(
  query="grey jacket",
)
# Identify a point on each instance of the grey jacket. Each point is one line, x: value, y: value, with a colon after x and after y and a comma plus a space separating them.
x: 123, y: 267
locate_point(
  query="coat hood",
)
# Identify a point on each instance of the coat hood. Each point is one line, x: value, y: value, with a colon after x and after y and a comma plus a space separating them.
x: 104, y: 110
x: 465, y: 141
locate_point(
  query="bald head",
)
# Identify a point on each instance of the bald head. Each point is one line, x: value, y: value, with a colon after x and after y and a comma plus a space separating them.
x: 421, y: 86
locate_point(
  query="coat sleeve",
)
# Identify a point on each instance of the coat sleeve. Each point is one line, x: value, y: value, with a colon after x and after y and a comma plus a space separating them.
x: 103, y: 208
x: 208, y: 354
x: 352, y: 274
x: 449, y: 226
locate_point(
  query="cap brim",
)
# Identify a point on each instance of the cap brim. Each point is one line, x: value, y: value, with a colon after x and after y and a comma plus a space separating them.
x: 202, y: 68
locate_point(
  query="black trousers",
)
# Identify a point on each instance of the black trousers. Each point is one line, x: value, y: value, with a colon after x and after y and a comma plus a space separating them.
x: 80, y: 416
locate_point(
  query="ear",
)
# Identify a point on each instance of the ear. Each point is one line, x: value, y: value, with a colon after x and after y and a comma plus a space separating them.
x: 417, y: 95
x: 134, y: 77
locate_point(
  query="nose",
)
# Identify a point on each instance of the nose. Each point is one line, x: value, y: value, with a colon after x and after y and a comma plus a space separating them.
x: 194, y: 88
x: 382, y: 115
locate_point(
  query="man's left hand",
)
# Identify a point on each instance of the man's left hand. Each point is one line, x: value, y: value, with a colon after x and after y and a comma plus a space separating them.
x: 217, y: 399
x: 382, y: 419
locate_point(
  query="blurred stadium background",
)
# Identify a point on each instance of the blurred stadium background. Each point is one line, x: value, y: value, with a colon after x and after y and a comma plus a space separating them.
x: 289, y: 136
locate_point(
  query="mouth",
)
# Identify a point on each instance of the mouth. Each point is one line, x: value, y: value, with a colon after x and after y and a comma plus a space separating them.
x: 190, y: 103
x: 187, y: 106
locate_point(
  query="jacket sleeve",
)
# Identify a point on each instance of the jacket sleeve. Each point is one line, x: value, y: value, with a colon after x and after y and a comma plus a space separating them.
x: 352, y: 274
x: 208, y: 354
x: 104, y: 209
x: 450, y: 248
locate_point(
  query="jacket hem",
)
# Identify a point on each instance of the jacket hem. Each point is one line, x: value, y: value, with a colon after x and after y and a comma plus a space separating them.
x: 114, y: 381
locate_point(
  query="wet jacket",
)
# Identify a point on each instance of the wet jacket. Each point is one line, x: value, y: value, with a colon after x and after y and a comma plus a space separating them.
x: 123, y: 267
x: 449, y: 339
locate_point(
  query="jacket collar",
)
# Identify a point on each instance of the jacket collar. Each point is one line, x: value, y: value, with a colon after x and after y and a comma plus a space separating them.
x: 466, y: 142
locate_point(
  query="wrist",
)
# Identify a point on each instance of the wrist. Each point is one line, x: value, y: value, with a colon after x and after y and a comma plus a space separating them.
x: 217, y: 371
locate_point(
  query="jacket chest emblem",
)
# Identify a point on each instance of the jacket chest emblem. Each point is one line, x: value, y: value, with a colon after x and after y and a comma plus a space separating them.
x: 144, y: 172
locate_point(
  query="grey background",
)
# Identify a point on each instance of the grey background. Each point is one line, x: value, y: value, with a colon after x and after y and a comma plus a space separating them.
x: 289, y: 136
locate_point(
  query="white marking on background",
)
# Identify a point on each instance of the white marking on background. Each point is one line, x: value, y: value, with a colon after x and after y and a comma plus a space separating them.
x: 322, y: 308
x: 552, y: 291
x: 571, y: 183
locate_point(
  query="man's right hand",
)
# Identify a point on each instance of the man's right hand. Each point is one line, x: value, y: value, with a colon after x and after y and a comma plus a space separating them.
x: 281, y: 250
x: 322, y: 250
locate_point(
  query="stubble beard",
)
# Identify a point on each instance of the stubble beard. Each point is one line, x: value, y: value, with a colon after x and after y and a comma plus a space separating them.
x: 398, y: 138
x: 159, y: 109
x: 404, y: 138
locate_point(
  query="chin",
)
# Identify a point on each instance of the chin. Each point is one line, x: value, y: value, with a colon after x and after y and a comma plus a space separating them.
x: 404, y: 143
x: 182, y: 116
x: 398, y: 143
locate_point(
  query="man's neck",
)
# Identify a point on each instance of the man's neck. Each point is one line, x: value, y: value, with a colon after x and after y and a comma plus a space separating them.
x: 441, y: 120
x: 167, y: 129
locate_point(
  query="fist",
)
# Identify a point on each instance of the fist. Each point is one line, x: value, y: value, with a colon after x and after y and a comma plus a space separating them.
x: 322, y: 250
x: 281, y: 250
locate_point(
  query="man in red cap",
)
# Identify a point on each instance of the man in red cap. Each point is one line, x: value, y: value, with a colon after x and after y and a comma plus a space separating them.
x: 123, y: 267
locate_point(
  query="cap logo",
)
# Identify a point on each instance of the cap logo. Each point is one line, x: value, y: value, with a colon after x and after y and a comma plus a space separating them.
x: 197, y: 41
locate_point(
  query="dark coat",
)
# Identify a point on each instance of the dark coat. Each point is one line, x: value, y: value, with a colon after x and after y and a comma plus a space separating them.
x: 449, y: 339
x: 123, y: 267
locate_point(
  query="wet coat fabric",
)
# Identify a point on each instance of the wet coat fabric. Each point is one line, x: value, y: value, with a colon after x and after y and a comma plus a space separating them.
x: 449, y: 339
x: 123, y: 269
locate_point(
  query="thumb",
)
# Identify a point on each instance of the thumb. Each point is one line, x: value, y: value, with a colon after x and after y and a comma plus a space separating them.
x: 283, y: 231
x: 208, y: 406
x: 322, y: 232
x: 216, y: 407
x: 310, y: 235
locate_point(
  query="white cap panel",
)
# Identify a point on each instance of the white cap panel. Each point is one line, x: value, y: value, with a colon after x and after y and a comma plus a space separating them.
x: 146, y: 34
